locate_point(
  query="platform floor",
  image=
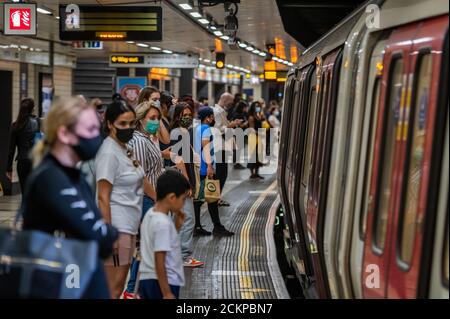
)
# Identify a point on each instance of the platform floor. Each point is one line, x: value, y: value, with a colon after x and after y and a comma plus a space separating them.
x: 242, y: 266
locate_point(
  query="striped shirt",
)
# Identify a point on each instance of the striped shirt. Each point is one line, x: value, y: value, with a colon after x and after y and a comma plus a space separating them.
x: 148, y: 154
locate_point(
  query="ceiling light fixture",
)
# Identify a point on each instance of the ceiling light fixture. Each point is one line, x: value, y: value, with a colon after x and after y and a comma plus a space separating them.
x: 218, y: 33
x: 225, y: 37
x: 242, y: 45
x: 142, y: 45
x: 195, y: 14
x: 156, y: 48
x: 185, y: 6
x: 167, y: 51
x: 203, y: 21
x: 43, y: 11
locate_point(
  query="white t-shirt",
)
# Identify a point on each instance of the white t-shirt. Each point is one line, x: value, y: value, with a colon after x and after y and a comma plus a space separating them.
x: 113, y: 165
x: 158, y: 233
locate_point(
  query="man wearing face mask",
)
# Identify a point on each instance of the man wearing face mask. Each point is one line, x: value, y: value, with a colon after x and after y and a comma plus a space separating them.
x: 222, y: 124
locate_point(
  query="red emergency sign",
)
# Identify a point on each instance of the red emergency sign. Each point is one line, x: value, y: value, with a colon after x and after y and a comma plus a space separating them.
x: 19, y: 18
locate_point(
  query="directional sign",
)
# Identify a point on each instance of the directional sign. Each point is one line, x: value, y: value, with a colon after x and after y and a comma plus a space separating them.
x: 163, y: 60
x: 19, y: 19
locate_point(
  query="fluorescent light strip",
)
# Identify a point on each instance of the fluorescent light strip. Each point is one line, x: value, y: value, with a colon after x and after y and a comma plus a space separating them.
x: 156, y: 48
x: 262, y: 53
x: 206, y: 60
x: 43, y: 11
x: 167, y: 51
x: 242, y: 45
x: 195, y: 14
x: 249, y: 48
x: 230, y: 66
x: 225, y: 37
x: 142, y: 45
x: 218, y: 33
x: 203, y: 21
x: 185, y: 6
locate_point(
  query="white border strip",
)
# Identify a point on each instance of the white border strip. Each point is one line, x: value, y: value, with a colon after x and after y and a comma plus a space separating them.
x: 272, y: 263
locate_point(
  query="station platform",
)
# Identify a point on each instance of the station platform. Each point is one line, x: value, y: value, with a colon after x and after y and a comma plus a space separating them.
x: 243, y: 266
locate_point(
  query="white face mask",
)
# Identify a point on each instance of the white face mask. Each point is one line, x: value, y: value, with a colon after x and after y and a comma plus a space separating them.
x: 276, y: 113
x: 157, y: 103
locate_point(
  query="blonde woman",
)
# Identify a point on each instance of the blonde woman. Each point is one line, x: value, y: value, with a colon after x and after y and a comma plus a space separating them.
x: 120, y: 188
x: 57, y: 198
x: 145, y: 145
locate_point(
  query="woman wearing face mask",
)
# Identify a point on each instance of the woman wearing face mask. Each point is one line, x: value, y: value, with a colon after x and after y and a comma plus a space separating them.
x: 145, y: 145
x: 254, y: 122
x: 181, y: 136
x: 166, y: 103
x: 273, y: 117
x: 151, y: 94
x: 72, y: 134
x: 120, y: 188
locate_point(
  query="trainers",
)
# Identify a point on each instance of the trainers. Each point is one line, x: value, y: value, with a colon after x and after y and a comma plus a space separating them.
x: 128, y: 295
x: 200, y: 231
x: 223, y: 203
x: 221, y: 231
x: 192, y: 262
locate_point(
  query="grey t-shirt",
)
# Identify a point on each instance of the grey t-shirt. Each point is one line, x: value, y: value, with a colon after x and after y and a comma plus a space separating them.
x: 113, y: 165
x: 158, y: 233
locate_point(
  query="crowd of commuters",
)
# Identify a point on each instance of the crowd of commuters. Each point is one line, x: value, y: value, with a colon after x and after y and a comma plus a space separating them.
x: 132, y: 179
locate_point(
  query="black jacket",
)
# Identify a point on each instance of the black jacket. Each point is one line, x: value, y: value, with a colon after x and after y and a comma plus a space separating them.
x: 23, y: 139
x: 58, y: 198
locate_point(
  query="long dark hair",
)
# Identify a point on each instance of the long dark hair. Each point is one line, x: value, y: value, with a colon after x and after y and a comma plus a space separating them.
x: 239, y: 109
x: 252, y: 109
x: 25, y: 111
x: 179, y: 109
x: 113, y: 111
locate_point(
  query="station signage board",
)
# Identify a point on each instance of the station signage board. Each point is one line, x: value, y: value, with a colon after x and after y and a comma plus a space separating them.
x: 163, y: 60
x: 19, y: 18
x: 110, y: 23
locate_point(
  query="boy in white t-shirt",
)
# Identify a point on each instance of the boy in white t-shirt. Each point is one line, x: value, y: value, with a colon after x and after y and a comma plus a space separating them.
x: 161, y: 268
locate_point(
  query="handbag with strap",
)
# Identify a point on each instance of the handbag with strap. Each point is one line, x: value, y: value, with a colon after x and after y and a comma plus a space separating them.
x: 36, y: 264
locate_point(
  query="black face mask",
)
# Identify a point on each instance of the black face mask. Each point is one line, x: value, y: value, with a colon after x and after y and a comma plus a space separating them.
x: 212, y: 123
x: 124, y: 135
x: 87, y: 148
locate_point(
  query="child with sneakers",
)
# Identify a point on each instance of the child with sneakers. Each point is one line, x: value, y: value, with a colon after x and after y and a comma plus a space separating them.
x: 161, y: 268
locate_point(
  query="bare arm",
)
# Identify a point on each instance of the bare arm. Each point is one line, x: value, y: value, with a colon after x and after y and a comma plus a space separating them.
x: 104, y: 196
x: 149, y: 189
x: 164, y: 136
x: 160, y: 258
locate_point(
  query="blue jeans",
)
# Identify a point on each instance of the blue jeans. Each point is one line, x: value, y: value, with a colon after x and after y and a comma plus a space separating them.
x: 146, y: 205
x: 149, y: 289
x: 187, y: 230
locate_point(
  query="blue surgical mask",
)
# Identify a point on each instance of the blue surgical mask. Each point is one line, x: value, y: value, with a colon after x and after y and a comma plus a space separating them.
x: 152, y: 126
x: 257, y: 109
x: 157, y: 103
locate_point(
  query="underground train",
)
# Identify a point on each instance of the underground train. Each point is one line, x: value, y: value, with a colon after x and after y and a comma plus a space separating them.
x: 363, y: 172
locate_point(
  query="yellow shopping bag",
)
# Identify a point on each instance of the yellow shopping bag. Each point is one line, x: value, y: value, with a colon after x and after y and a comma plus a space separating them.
x: 212, y: 190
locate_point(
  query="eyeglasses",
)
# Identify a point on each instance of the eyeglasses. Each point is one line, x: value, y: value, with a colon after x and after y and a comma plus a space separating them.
x: 130, y: 156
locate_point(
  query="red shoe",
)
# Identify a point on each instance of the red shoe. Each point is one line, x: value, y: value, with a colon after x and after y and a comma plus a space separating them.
x: 128, y: 295
x: 192, y: 262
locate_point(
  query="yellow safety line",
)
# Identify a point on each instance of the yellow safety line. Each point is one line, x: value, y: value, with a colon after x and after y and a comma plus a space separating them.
x: 245, y: 281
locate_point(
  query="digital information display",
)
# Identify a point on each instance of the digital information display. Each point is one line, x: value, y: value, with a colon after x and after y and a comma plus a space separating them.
x: 110, y: 23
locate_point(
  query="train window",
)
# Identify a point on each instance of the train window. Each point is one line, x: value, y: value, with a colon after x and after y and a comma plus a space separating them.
x: 309, y: 135
x: 415, y: 159
x: 368, y: 163
x: 392, y: 114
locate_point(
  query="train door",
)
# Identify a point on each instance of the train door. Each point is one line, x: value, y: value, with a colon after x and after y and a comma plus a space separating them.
x: 284, y: 142
x: 437, y: 285
x: 300, y: 127
x: 384, y: 175
x: 318, y: 179
x: 370, y: 109
x: 420, y: 133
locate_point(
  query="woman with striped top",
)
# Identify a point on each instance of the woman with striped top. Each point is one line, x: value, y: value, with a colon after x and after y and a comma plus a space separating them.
x: 145, y: 145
